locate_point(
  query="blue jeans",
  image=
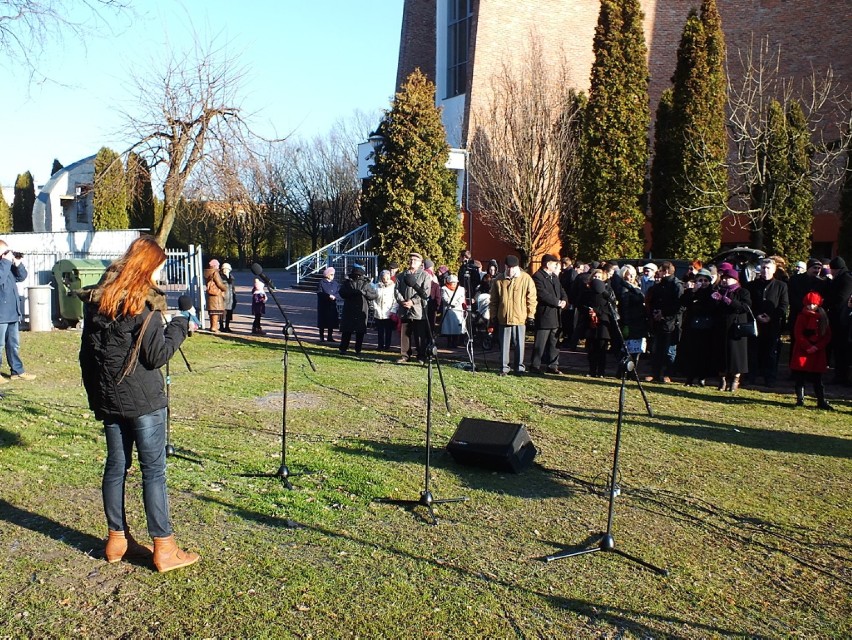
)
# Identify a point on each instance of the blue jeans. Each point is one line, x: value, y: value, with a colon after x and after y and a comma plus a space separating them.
x: 10, y: 337
x: 663, y: 354
x: 148, y: 432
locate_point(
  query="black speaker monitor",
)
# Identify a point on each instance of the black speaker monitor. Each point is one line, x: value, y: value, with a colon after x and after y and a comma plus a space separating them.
x: 501, y: 446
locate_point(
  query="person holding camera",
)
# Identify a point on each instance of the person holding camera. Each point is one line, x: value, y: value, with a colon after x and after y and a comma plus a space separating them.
x: 357, y: 292
x: 12, y: 271
x: 412, y: 293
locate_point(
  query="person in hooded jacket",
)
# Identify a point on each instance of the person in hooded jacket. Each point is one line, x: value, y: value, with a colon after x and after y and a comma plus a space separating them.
x: 808, y: 360
x: 357, y: 292
x: 126, y: 339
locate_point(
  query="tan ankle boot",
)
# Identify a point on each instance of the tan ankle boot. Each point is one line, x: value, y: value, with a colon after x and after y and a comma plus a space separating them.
x: 168, y: 556
x: 121, y: 544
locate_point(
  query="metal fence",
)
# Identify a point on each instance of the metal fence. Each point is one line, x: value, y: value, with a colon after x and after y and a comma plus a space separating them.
x: 182, y: 274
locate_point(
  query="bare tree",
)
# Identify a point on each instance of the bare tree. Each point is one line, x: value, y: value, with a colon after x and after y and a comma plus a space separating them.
x: 523, y: 152
x: 183, y: 109
x: 751, y: 128
x: 319, y: 187
x: 26, y: 26
x: 230, y: 184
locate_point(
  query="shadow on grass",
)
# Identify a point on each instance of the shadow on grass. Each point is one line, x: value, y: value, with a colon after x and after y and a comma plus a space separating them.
x: 9, y: 439
x: 531, y: 483
x: 623, y: 619
x: 83, y: 542
x: 767, y: 439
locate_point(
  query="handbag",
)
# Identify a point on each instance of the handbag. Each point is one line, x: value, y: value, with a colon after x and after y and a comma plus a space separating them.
x: 701, y: 323
x: 747, y: 329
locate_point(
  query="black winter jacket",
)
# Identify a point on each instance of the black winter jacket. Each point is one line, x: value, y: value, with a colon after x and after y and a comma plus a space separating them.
x: 356, y: 296
x: 107, y: 348
x: 549, y: 294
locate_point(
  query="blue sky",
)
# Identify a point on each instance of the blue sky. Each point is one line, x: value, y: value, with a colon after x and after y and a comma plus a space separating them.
x: 309, y: 64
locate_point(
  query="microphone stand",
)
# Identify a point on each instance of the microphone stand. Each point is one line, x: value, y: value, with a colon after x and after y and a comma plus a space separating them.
x: 283, y: 473
x: 170, y: 449
x: 426, y: 498
x: 606, y: 542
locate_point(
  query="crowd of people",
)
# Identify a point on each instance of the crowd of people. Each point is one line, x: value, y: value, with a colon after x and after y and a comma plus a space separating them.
x: 716, y: 324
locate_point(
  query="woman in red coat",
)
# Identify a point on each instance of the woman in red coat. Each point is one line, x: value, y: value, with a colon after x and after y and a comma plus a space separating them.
x: 808, y: 360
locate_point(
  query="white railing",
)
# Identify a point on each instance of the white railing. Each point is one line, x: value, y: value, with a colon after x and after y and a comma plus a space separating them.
x: 353, y: 242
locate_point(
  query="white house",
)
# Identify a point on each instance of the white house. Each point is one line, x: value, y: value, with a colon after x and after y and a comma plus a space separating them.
x: 64, y: 202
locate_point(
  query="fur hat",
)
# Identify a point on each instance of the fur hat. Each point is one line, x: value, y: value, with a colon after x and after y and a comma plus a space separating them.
x: 511, y: 261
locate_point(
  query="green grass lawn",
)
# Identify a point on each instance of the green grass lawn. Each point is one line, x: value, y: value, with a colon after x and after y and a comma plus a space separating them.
x: 743, y: 498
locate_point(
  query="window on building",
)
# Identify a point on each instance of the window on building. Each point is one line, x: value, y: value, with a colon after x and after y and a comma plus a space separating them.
x: 458, y: 40
x: 81, y: 196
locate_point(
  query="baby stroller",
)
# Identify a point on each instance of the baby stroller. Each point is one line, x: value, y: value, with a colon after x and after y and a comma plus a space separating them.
x: 479, y: 325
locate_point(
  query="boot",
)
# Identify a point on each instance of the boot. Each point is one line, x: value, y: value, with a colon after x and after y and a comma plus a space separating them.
x: 822, y: 403
x: 723, y: 383
x: 800, y: 395
x: 214, y: 323
x: 168, y: 556
x: 121, y: 544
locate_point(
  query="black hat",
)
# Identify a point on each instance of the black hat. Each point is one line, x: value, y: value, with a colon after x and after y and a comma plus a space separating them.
x: 813, y: 262
x: 548, y: 258
x: 356, y: 271
x: 837, y: 263
x: 511, y: 261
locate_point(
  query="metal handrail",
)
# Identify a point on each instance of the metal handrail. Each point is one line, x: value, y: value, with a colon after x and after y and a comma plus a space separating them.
x: 319, y: 259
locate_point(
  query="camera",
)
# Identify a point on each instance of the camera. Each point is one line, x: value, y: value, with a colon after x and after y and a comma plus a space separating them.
x: 18, y: 255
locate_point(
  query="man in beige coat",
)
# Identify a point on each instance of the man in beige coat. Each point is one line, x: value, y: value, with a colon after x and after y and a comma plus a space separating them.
x: 513, y: 303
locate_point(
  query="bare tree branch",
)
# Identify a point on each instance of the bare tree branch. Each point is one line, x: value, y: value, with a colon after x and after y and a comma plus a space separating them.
x: 522, y: 151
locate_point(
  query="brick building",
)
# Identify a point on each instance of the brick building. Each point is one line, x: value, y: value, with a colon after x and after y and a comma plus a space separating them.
x: 459, y: 43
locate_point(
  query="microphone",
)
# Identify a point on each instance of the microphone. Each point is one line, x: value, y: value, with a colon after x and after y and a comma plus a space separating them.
x: 185, y: 303
x: 257, y: 270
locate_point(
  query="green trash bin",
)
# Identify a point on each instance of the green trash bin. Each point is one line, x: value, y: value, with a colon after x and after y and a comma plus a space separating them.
x: 71, y: 275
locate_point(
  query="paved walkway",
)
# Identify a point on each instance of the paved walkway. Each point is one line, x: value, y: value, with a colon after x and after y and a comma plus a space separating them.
x: 300, y: 307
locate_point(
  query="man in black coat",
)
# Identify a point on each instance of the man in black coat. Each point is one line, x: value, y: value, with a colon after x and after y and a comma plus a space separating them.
x: 551, y: 301
x: 837, y: 303
x: 770, y: 303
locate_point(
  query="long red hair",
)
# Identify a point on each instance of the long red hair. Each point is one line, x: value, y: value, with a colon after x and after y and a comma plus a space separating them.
x: 126, y: 294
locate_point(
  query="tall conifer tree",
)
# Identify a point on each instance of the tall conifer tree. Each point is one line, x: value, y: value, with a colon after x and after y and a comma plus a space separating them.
x: 109, y: 207
x: 410, y: 201
x: 691, y: 196
x: 615, y: 142
x: 788, y: 226
x: 140, y: 193
x: 22, y: 205
x: 5, y: 215
x: 844, y: 237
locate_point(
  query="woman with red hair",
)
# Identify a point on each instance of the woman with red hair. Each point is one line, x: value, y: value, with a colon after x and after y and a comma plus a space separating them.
x: 125, y: 341
x: 808, y: 360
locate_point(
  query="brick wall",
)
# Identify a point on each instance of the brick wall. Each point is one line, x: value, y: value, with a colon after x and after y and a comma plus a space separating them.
x: 812, y: 34
x: 417, y: 40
